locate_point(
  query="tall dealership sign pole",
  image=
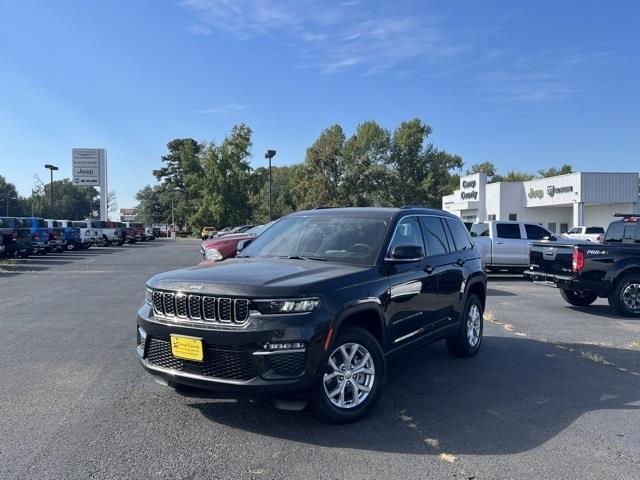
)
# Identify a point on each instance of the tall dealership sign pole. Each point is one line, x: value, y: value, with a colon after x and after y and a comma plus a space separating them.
x: 51, y: 169
x: 90, y: 170
x: 270, y: 154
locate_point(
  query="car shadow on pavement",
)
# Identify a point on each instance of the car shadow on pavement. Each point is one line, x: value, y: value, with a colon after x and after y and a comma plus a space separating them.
x: 515, y: 395
x: 495, y: 292
x: 601, y: 311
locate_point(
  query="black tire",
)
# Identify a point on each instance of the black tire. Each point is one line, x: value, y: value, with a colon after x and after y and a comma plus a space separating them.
x: 461, y: 344
x: 578, y: 298
x: 323, y: 405
x: 625, y: 296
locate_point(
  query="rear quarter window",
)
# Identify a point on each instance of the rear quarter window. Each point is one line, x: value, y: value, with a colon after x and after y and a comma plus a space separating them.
x: 508, y: 230
x: 460, y: 235
x: 594, y: 230
x: 479, y: 230
x: 615, y: 232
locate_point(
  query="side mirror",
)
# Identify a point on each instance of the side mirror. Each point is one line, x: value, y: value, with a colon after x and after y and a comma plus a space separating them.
x: 242, y: 244
x: 407, y: 253
x: 553, y: 238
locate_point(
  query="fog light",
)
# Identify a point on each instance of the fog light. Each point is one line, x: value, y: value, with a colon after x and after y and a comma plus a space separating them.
x: 141, y: 341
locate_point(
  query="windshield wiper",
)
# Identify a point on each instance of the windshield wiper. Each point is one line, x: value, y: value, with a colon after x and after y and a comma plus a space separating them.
x: 298, y: 257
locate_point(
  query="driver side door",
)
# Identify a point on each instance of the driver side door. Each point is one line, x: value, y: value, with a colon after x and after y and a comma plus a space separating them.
x: 413, y: 286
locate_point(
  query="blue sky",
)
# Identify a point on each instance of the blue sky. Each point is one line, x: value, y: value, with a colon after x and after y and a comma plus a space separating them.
x: 525, y: 85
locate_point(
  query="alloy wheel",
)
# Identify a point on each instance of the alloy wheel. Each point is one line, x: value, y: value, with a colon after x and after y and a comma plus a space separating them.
x: 473, y: 325
x: 631, y: 296
x: 350, y: 377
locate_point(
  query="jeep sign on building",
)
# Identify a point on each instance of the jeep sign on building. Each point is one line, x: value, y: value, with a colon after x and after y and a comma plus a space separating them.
x: 559, y: 203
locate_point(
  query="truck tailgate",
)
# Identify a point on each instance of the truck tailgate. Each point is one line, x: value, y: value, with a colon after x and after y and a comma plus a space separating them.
x: 551, y: 259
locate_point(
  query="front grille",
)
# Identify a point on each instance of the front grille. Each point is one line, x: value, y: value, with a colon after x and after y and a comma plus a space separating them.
x: 288, y: 363
x: 224, y: 309
x: 159, y: 353
x: 201, y: 308
x: 219, y: 362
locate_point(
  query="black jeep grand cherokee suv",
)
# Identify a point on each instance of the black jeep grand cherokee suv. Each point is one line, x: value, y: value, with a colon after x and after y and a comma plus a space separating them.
x: 315, y: 305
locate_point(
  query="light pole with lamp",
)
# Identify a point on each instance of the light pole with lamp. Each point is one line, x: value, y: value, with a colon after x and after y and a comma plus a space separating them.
x: 270, y: 154
x: 51, y: 169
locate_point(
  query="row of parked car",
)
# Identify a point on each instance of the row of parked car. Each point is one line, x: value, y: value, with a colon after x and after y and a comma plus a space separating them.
x: 24, y: 236
x: 225, y: 243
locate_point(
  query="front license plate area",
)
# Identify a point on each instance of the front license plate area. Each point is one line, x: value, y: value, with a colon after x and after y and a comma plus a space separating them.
x: 187, y: 348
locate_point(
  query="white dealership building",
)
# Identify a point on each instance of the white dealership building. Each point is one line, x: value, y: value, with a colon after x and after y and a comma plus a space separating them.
x: 559, y: 203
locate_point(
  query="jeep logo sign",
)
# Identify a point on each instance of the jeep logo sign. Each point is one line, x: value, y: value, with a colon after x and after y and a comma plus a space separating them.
x: 535, y: 193
x: 468, y: 184
x: 552, y: 190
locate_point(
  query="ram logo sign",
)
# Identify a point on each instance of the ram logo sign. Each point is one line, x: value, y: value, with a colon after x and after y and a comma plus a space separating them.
x: 596, y: 252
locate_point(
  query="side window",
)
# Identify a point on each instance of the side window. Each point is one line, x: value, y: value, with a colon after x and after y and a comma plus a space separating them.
x: 479, y: 230
x: 407, y: 233
x: 513, y: 217
x: 435, y: 237
x: 630, y: 232
x: 573, y: 230
x: 459, y: 233
x: 595, y: 230
x: 535, y: 232
x: 508, y: 230
x: 615, y: 232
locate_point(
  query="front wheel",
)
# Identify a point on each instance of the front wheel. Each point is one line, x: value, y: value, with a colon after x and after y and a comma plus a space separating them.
x: 578, y: 297
x: 466, y: 342
x: 625, y: 297
x: 353, y: 377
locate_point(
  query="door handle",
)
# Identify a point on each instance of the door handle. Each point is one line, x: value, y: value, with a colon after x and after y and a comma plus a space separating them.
x: 460, y: 262
x: 428, y: 269
x: 499, y: 243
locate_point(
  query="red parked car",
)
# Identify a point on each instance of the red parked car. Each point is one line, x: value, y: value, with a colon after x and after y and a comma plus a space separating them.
x: 218, y: 249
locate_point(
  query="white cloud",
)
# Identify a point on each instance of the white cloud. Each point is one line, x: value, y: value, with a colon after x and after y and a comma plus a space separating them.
x: 334, y: 38
x: 199, y: 29
x: 227, y: 109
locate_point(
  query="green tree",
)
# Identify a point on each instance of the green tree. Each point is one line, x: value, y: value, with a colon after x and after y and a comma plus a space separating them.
x: 151, y: 206
x: 180, y: 176
x: 488, y: 168
x: 552, y: 172
x: 224, y: 182
x: 513, y: 176
x: 323, y: 168
x: 419, y: 173
x: 9, y: 200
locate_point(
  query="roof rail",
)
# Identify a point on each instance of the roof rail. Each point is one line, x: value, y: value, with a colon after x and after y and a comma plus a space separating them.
x: 406, y: 207
x: 626, y: 215
x: 321, y: 208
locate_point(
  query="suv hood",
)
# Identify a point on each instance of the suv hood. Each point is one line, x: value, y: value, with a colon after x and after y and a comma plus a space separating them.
x: 261, y: 277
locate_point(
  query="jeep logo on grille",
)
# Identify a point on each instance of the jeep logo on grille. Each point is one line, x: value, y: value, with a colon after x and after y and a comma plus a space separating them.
x: 196, y: 286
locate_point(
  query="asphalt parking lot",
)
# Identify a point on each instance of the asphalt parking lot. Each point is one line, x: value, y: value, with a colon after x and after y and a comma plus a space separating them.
x: 554, y: 392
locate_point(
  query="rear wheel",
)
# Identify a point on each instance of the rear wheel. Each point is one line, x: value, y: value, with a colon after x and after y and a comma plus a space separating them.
x: 625, y: 297
x: 353, y: 377
x: 466, y: 342
x: 578, y: 298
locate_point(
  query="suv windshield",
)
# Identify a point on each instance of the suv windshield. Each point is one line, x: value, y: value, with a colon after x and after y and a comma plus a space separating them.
x: 343, y: 238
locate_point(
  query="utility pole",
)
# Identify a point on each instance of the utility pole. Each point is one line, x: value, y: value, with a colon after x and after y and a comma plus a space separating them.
x: 270, y: 154
x: 51, y: 168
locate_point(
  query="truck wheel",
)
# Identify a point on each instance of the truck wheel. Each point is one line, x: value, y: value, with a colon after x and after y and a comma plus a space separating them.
x: 578, y: 298
x: 625, y: 297
x: 466, y: 342
x: 353, y: 376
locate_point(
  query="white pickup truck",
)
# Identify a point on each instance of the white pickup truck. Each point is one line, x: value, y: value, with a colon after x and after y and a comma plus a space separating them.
x: 505, y: 245
x: 589, y: 234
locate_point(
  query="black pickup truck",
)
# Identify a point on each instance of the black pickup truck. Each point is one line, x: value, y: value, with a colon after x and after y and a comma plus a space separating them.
x: 587, y: 271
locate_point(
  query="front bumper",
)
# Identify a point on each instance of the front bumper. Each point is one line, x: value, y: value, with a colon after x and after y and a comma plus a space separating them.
x: 551, y: 280
x: 235, y: 358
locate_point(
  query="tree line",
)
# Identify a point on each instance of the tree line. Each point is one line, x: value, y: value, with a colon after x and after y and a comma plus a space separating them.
x: 213, y: 184
x: 69, y: 201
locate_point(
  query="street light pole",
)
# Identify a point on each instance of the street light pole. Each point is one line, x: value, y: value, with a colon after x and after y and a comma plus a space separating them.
x: 270, y: 154
x: 51, y: 168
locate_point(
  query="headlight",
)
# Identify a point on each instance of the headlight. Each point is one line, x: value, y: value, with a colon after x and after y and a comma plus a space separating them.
x: 212, y: 254
x: 302, y: 305
x: 148, y: 296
